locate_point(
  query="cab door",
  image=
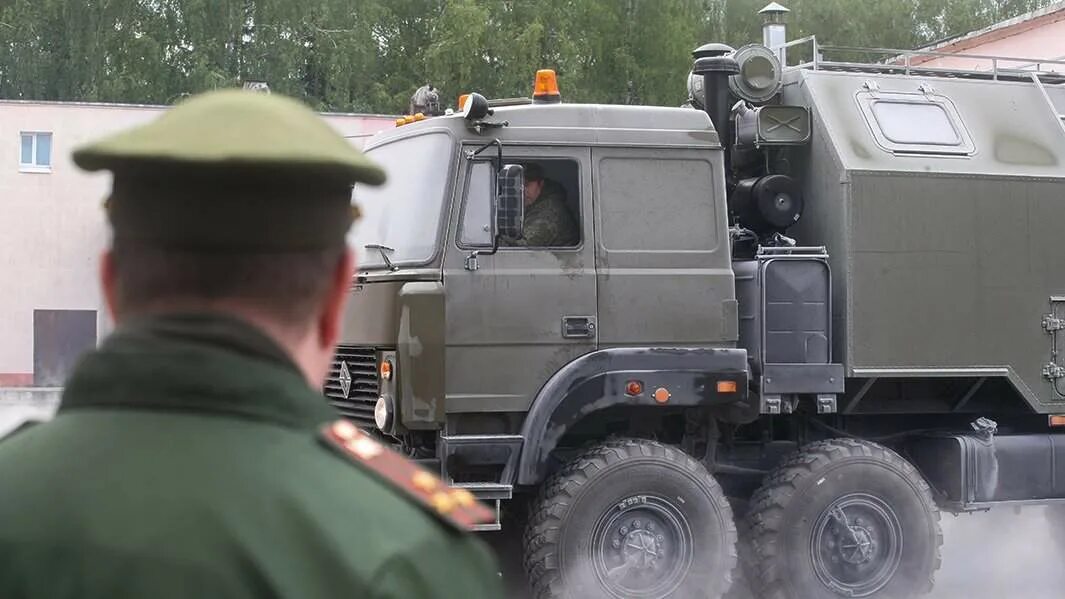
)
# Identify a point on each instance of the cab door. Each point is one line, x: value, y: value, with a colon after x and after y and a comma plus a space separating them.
x: 515, y: 317
x: 665, y: 268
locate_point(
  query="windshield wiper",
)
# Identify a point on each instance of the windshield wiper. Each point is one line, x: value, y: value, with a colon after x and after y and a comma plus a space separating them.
x: 384, y: 256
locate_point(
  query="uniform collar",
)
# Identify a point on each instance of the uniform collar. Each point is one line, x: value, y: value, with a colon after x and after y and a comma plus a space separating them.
x: 197, y: 363
x: 539, y: 201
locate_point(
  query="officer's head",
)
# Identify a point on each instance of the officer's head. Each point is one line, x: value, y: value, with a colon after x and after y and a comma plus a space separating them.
x: 234, y: 202
x: 534, y: 182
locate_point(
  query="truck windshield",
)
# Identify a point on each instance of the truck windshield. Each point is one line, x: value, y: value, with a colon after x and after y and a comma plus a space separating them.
x: 401, y: 219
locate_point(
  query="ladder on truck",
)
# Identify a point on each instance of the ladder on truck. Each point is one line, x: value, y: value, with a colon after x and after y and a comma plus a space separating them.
x: 1059, y: 113
x: 809, y: 53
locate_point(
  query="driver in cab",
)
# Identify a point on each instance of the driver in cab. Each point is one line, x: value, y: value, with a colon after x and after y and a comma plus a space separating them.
x: 548, y: 221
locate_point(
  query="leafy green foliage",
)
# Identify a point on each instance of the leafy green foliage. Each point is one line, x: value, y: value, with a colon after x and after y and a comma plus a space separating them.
x: 370, y: 55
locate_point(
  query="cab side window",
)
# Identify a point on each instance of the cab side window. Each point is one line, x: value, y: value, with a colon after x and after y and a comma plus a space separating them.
x: 552, y: 206
x: 476, y: 227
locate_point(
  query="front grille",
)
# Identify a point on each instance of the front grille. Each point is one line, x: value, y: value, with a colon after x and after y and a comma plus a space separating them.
x: 362, y: 395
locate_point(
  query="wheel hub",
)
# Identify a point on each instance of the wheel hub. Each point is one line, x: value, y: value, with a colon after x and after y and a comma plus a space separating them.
x: 857, y: 545
x: 642, y: 550
x: 641, y: 547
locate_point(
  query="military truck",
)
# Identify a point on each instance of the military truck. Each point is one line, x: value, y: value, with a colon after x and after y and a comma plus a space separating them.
x: 830, y: 292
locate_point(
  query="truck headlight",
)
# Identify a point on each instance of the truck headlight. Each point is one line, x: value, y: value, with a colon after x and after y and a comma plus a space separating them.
x: 382, y: 413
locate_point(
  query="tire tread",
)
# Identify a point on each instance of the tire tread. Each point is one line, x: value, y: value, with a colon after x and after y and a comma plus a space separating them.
x: 766, y: 517
x: 545, y: 521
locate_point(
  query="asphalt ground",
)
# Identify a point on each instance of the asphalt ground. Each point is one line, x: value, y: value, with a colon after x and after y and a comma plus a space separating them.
x: 13, y: 412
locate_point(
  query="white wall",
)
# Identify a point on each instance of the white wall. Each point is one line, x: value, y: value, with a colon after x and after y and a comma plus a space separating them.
x: 1040, y: 38
x: 52, y: 226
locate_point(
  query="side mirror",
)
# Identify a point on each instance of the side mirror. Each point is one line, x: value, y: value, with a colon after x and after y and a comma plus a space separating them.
x: 510, y: 201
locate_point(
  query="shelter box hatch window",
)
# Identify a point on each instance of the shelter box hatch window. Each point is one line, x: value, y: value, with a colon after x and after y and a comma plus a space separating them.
x: 915, y: 123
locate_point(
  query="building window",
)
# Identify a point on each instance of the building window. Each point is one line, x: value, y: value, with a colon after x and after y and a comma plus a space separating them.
x: 35, y: 154
x: 909, y: 123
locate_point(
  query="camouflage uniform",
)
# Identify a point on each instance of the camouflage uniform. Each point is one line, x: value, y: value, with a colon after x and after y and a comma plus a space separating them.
x: 548, y: 221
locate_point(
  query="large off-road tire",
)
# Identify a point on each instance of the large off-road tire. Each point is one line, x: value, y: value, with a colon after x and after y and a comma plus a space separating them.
x: 630, y: 518
x: 741, y: 579
x: 844, y: 518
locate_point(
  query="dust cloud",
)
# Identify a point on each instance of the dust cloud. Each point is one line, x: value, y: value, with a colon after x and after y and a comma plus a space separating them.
x: 1005, y: 553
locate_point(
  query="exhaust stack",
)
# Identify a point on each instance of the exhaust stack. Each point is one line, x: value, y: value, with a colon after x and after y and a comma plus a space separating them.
x: 775, y: 29
x: 715, y: 69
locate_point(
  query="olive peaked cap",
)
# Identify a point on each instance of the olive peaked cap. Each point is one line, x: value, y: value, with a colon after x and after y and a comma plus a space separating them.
x: 232, y: 170
x: 234, y: 128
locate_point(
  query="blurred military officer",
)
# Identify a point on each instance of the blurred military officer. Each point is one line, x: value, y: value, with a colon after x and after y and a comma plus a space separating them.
x: 192, y: 455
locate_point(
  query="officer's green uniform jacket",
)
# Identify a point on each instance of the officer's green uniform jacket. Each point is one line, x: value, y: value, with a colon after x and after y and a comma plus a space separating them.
x: 548, y: 221
x: 184, y: 462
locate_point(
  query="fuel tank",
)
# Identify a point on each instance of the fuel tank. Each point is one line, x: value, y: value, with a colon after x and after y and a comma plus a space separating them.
x: 973, y: 471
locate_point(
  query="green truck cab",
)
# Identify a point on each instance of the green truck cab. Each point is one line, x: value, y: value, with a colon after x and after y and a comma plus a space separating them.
x: 827, y: 296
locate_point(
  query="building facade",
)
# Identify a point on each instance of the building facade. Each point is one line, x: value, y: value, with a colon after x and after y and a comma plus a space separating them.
x: 1035, y: 35
x: 53, y: 230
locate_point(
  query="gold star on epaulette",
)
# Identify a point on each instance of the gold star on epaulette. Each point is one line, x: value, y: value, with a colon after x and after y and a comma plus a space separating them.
x: 425, y: 482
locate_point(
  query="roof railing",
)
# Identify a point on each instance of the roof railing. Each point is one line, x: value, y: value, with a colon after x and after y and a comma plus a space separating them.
x: 910, y: 62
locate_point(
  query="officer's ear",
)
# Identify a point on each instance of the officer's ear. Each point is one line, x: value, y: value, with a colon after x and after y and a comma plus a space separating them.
x: 108, y: 283
x: 331, y: 318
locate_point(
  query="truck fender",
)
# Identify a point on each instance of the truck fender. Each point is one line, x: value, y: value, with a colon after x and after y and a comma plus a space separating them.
x: 598, y: 380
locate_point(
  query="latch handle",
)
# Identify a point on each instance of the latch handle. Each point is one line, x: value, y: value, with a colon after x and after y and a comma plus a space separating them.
x: 578, y: 327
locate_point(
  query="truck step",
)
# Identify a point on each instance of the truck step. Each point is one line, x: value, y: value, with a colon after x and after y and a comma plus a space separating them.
x: 491, y: 526
x: 487, y: 491
x: 490, y: 493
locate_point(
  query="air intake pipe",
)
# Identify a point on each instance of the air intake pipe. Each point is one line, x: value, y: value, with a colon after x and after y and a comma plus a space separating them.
x: 715, y: 71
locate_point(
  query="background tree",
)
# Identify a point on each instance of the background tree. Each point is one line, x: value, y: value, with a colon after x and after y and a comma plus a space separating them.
x: 370, y: 55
